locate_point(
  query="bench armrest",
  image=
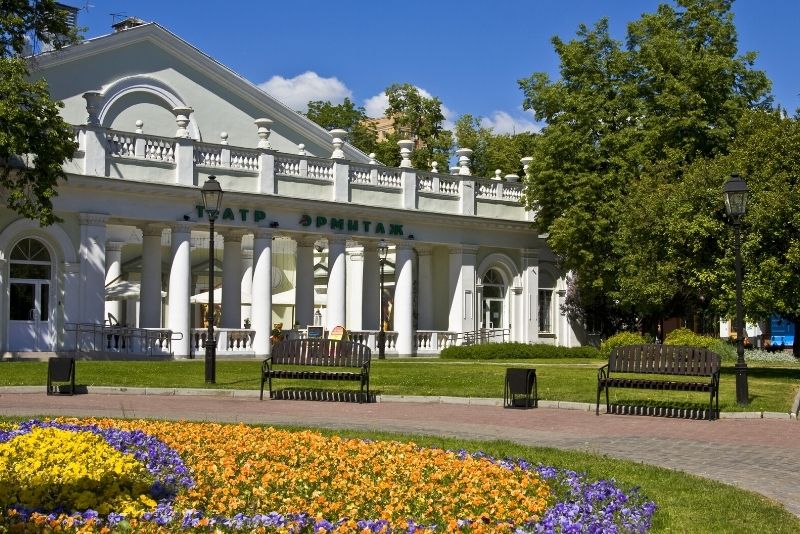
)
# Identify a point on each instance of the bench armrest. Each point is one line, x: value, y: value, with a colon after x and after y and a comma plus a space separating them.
x: 602, y: 372
x: 267, y: 364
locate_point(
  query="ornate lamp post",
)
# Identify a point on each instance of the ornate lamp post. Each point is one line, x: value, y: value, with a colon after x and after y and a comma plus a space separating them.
x: 383, y: 249
x: 212, y: 199
x: 735, y: 192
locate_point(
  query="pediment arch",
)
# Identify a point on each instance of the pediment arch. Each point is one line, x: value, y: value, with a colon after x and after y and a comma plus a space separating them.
x: 154, y: 91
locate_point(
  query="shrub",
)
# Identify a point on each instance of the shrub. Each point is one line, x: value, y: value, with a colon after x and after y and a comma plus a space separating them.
x: 516, y: 351
x: 684, y: 336
x: 620, y: 339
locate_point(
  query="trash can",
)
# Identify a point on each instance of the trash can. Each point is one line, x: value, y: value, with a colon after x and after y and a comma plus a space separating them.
x: 520, y: 382
x: 60, y: 370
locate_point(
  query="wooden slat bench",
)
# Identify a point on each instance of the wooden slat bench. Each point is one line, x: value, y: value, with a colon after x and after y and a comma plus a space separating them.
x: 661, y: 360
x: 328, y: 355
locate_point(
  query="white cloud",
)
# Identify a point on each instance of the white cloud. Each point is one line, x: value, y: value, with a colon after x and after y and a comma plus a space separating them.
x: 298, y: 91
x: 503, y: 123
x: 375, y: 106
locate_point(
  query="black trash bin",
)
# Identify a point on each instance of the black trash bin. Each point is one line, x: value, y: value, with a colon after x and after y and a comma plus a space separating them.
x: 520, y: 382
x: 60, y: 370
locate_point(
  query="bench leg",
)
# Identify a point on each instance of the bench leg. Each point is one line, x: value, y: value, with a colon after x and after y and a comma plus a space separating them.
x: 261, y: 397
x: 597, y: 408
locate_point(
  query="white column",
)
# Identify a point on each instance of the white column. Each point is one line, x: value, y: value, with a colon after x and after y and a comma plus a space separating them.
x: 178, y: 315
x: 71, y: 307
x: 371, y: 301
x: 304, y: 282
x: 337, y: 284
x: 150, y: 290
x: 425, y: 288
x: 517, y: 314
x: 530, y: 294
x: 93, y: 273
x: 247, y: 285
x: 462, y: 288
x: 113, y: 273
x: 231, y: 280
x: 355, y: 280
x: 262, y: 290
x: 404, y: 299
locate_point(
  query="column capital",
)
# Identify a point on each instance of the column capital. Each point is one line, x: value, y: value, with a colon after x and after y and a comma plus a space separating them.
x: 403, y: 245
x: 463, y: 249
x: 114, y: 246
x: 337, y: 239
x: 263, y: 233
x: 424, y: 250
x: 93, y: 219
x: 233, y: 235
x: 151, y: 229
x: 306, y: 241
x: 181, y: 227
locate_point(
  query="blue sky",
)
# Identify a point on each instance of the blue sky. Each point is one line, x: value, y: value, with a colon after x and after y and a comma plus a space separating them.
x: 469, y: 53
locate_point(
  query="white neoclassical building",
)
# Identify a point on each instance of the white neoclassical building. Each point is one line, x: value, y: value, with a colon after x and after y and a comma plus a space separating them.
x: 297, y: 238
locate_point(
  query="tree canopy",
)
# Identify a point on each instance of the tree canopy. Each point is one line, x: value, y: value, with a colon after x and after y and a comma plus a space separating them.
x: 492, y: 151
x: 624, y: 123
x: 348, y: 117
x: 34, y: 140
x: 420, y: 119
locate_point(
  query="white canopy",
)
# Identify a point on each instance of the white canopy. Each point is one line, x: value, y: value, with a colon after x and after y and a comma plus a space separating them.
x: 125, y: 290
x: 202, y: 298
x: 284, y: 298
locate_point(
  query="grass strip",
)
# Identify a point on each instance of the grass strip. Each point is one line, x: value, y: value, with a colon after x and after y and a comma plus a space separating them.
x: 772, y: 388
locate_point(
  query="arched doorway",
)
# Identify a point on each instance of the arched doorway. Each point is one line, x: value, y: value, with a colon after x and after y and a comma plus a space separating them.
x: 30, y: 302
x: 494, y: 299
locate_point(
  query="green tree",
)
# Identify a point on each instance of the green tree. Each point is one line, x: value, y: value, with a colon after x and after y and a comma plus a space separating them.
x: 420, y: 119
x: 623, y: 125
x: 492, y: 151
x: 348, y: 117
x: 34, y: 139
x: 771, y: 226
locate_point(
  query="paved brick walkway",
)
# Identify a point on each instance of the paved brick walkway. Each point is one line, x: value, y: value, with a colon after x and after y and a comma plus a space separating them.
x: 756, y: 454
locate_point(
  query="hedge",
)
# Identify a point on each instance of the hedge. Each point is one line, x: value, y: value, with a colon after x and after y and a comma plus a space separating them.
x: 516, y: 351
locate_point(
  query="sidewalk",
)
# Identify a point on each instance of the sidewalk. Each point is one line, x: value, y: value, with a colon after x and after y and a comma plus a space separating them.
x: 760, y: 454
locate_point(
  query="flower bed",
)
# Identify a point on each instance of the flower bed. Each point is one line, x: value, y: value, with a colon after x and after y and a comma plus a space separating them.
x: 104, y: 475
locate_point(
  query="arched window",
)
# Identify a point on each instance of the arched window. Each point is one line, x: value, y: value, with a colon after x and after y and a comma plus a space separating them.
x: 29, y: 270
x: 493, y: 286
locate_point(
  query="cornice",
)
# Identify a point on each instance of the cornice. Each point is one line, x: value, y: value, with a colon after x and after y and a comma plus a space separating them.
x: 283, y: 203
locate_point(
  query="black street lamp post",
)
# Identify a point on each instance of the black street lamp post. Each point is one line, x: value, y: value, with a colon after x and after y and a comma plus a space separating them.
x: 212, y: 199
x: 735, y: 192
x: 383, y: 249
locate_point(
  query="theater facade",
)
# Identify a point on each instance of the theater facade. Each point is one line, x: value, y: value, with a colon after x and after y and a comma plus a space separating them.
x: 297, y: 237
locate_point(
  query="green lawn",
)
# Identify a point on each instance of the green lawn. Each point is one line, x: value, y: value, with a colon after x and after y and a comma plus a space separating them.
x: 772, y: 387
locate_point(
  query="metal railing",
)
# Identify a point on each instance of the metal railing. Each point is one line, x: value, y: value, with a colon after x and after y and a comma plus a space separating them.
x: 99, y: 338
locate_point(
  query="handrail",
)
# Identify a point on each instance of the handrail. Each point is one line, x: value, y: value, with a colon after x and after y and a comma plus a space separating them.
x: 95, y: 337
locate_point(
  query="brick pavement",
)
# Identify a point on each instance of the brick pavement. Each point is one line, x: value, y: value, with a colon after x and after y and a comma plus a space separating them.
x: 756, y: 454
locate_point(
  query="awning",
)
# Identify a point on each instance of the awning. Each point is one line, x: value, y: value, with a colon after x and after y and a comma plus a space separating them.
x: 284, y: 298
x: 125, y: 290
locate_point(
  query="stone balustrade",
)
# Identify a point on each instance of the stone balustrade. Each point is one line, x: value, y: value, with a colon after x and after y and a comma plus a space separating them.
x: 182, y: 160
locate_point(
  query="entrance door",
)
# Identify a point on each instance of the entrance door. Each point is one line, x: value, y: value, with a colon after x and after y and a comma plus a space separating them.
x: 30, y: 313
x: 493, y: 310
x: 494, y: 293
